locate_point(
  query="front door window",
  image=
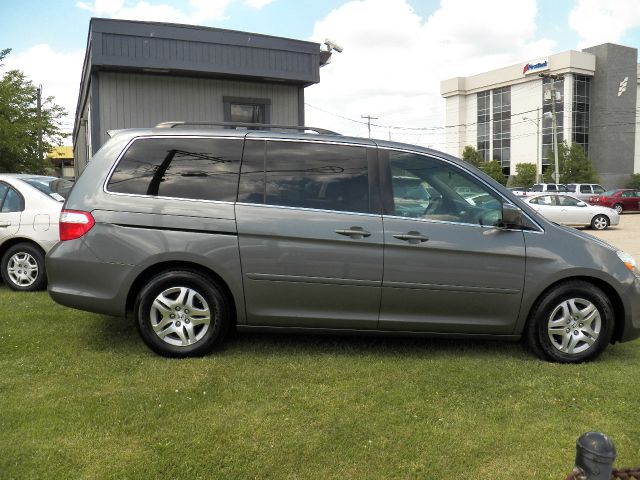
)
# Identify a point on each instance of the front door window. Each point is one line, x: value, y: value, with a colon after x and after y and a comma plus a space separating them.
x: 424, y: 188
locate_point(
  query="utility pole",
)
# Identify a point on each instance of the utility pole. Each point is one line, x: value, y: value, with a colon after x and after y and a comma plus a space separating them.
x: 39, y: 113
x: 554, y: 123
x: 369, y: 118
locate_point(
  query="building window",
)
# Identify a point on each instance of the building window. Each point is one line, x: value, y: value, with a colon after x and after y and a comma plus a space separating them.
x: 247, y: 110
x: 580, y: 114
x: 502, y: 127
x: 547, y: 123
x: 484, y: 114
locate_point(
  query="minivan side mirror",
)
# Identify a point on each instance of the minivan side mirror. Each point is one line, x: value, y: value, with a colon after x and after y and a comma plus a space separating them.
x: 511, y: 216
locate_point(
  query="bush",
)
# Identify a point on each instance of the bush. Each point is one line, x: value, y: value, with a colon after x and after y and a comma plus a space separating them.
x: 525, y: 175
x: 634, y: 181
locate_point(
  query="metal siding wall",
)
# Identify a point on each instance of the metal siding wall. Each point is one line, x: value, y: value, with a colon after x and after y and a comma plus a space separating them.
x: 135, y: 51
x: 137, y: 100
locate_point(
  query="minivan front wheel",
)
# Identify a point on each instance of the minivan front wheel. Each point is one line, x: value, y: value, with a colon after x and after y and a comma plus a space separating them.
x: 180, y: 313
x: 23, y: 268
x: 572, y: 323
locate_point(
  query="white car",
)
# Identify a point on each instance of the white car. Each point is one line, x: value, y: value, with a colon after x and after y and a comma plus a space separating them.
x: 568, y: 210
x: 29, y: 213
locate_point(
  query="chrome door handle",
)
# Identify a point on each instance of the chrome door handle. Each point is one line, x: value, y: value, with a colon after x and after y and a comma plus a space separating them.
x: 413, y: 238
x: 354, y: 232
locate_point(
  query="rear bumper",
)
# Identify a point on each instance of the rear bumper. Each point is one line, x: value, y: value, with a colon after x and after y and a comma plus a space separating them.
x: 78, y: 279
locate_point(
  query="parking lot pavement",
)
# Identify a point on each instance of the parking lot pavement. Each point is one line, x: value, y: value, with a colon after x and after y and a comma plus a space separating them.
x: 625, y: 236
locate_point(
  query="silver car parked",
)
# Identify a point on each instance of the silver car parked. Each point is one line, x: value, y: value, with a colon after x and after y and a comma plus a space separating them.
x: 568, y: 210
x: 193, y: 231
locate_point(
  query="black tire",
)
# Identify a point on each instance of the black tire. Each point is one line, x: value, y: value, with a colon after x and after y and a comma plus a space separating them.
x: 600, y: 222
x: 23, y: 268
x: 551, y: 326
x: 181, y: 333
x: 618, y: 208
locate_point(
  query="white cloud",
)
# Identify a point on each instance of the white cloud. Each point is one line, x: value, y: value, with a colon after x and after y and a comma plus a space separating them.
x: 257, y: 4
x: 198, y: 11
x: 393, y: 60
x: 599, y: 22
x: 58, y: 73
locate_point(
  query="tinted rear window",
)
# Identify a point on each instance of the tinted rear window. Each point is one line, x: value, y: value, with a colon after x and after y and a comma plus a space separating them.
x: 305, y: 175
x: 194, y: 168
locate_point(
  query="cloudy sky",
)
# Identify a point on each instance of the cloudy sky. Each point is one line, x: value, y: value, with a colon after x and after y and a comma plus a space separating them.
x: 396, y: 52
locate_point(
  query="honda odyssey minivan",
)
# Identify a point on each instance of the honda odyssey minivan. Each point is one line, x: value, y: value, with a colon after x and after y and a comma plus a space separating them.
x: 192, y: 231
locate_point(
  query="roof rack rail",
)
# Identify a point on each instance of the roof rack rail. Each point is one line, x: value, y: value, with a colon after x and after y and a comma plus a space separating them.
x: 257, y: 126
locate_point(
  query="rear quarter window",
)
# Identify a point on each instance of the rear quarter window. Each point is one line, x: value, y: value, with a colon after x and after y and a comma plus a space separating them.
x: 190, y: 168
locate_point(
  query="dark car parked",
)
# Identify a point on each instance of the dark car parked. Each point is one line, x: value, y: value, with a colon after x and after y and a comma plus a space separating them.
x: 193, y: 231
x: 621, y: 200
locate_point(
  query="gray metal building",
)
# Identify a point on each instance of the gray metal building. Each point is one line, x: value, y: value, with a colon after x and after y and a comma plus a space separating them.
x: 138, y: 74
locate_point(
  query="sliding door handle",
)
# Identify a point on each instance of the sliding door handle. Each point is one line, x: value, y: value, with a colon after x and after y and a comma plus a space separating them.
x: 412, y: 237
x: 356, y: 233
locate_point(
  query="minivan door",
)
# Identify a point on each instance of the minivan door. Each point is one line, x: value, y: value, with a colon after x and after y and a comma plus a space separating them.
x: 310, y: 234
x: 447, y: 267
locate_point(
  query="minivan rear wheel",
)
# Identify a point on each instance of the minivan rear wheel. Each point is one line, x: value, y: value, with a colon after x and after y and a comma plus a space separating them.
x: 23, y: 268
x: 181, y: 313
x: 572, y: 323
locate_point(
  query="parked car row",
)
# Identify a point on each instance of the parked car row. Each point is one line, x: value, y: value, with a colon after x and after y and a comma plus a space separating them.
x: 581, y: 191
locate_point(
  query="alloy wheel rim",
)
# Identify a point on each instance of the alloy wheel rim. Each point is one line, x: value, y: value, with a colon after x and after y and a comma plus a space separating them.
x: 180, y: 316
x: 618, y: 208
x: 600, y: 223
x: 574, y: 326
x: 22, y: 269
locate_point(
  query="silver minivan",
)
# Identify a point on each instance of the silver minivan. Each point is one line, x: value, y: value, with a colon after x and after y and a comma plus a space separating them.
x: 195, y: 231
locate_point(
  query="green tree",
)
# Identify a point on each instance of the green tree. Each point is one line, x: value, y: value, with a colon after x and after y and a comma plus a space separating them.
x: 634, y: 181
x: 573, y: 164
x: 472, y: 156
x: 525, y: 175
x: 494, y: 170
x: 20, y: 125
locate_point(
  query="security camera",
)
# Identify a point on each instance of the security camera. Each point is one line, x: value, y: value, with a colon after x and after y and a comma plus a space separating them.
x: 331, y: 45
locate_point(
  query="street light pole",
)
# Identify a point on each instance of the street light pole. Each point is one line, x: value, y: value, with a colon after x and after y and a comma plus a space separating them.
x: 538, y: 159
x: 554, y: 123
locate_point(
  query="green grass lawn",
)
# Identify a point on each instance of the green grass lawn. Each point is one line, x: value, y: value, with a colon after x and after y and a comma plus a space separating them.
x: 82, y: 397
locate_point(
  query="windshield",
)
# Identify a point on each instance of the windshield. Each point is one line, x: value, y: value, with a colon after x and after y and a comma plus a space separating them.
x: 608, y: 193
x: 56, y: 188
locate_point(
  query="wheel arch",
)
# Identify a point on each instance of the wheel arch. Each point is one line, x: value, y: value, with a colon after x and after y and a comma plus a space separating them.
x: 155, y: 269
x: 608, y: 290
x: 17, y: 240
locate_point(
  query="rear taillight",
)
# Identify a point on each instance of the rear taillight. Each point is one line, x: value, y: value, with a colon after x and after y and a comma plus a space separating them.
x: 74, y: 224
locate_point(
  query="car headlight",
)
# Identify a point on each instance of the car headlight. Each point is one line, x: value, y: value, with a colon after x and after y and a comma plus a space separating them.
x: 629, y: 262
